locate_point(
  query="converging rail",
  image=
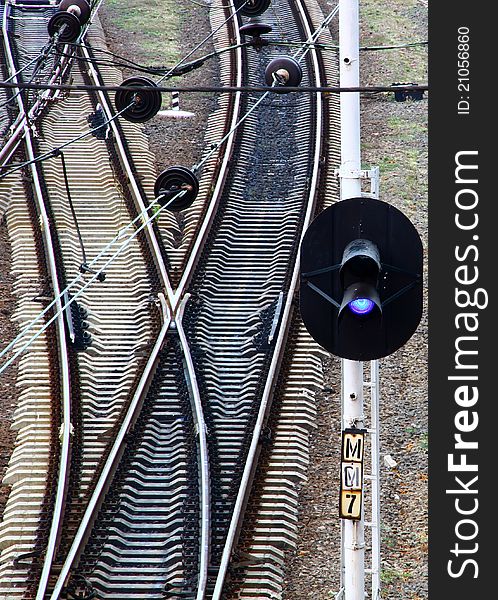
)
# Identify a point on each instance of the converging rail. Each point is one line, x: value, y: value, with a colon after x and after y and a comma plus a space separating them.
x: 59, y: 513
x: 62, y: 342
x: 179, y: 346
x: 282, y: 310
x: 191, y: 570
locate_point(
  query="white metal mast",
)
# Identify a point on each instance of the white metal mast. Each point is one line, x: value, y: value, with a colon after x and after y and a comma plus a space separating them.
x: 352, y: 371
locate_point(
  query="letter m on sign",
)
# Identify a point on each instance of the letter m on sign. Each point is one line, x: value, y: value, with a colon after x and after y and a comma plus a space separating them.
x: 353, y: 445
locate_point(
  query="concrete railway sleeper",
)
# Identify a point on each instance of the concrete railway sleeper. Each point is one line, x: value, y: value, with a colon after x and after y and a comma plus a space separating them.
x: 164, y: 454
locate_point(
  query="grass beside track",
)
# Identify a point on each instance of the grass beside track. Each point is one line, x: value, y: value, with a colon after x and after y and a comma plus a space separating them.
x: 153, y: 26
x: 394, y: 137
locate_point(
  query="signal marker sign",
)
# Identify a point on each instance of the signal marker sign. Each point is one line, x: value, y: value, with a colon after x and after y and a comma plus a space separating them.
x: 351, y: 495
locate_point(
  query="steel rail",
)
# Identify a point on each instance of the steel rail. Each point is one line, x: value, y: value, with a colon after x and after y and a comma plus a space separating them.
x: 61, y: 333
x: 109, y: 113
x: 253, y: 452
x: 48, y: 95
x: 218, y: 189
x: 59, y: 509
x: 115, y: 452
x: 23, y: 132
x: 203, y: 453
x: 176, y: 303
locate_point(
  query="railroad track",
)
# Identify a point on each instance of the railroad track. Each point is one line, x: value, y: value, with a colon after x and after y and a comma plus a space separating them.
x: 101, y: 377
x: 36, y: 461
x: 168, y: 406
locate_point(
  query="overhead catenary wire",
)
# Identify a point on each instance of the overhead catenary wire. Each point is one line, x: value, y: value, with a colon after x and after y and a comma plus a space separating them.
x: 123, y: 62
x: 95, y: 276
x: 305, y: 47
x: 226, y: 89
x: 316, y: 34
x: 212, y: 89
x: 39, y: 59
x: 200, y: 44
x: 55, y: 151
x: 78, y: 278
x: 30, y: 85
x: 210, y: 5
x: 198, y: 166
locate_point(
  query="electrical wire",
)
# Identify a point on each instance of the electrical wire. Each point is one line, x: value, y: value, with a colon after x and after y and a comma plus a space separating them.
x: 96, y: 88
x: 56, y: 151
x: 200, y: 44
x: 125, y: 63
x: 206, y: 89
x: 95, y: 276
x: 71, y: 205
x: 305, y: 48
x: 394, y: 47
x: 123, y: 59
x: 315, y: 35
x: 40, y: 59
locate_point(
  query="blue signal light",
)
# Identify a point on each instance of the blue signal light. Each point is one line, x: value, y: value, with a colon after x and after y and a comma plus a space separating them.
x: 361, y: 306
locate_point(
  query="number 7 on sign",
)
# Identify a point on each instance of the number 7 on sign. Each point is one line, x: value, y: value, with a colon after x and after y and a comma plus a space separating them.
x: 350, y: 506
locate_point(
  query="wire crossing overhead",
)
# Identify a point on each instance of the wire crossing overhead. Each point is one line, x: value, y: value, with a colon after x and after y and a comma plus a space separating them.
x: 214, y: 89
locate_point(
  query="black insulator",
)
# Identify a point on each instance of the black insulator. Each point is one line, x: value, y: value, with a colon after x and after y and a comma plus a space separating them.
x: 79, y: 8
x: 66, y: 24
x: 174, y: 180
x: 402, y: 95
x: 255, y: 29
x: 252, y: 8
x: 285, y: 70
x: 141, y: 105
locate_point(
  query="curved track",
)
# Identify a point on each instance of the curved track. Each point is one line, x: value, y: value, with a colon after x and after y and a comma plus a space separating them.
x: 166, y: 409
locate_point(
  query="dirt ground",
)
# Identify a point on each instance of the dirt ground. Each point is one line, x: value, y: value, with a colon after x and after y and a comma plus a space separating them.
x: 394, y: 137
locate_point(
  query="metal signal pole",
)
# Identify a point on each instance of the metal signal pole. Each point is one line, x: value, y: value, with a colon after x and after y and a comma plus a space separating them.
x: 352, y: 371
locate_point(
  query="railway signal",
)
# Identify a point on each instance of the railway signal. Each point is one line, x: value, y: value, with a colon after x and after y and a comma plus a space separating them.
x: 361, y: 279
